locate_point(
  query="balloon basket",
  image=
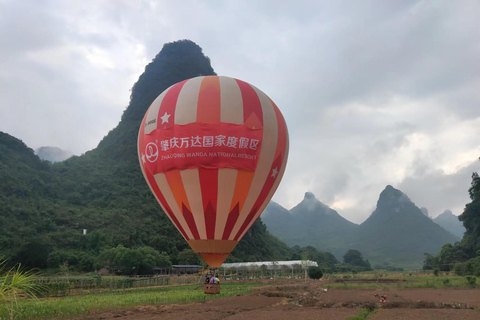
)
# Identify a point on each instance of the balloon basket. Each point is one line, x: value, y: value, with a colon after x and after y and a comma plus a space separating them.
x: 211, y: 288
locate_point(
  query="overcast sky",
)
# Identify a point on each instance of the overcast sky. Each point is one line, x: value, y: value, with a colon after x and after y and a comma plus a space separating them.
x: 373, y: 92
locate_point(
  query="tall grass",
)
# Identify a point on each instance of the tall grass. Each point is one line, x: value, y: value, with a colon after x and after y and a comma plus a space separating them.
x: 15, y: 283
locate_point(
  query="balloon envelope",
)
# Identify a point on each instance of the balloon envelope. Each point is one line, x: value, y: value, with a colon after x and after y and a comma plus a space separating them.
x: 213, y: 150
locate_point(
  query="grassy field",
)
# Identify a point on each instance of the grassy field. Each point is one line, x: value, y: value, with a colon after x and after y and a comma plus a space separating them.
x: 400, y: 280
x: 62, y: 286
x: 92, y: 301
x: 54, y: 308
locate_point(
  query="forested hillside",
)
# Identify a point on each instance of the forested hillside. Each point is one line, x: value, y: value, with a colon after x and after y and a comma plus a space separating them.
x: 45, y: 207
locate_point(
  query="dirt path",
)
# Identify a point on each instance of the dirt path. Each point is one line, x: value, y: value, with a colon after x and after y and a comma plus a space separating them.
x: 311, y: 301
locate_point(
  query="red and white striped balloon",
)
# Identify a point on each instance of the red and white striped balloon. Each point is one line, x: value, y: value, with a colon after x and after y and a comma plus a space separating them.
x: 213, y: 150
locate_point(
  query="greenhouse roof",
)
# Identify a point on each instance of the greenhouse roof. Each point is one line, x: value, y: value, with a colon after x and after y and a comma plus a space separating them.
x: 271, y: 264
x: 186, y: 266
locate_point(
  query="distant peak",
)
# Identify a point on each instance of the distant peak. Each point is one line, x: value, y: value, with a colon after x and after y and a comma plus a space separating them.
x: 177, y: 61
x: 392, y: 195
x: 309, y: 195
x: 447, y: 213
x: 389, y: 190
x: 311, y: 205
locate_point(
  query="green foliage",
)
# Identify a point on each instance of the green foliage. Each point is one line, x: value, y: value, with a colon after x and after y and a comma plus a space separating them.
x: 163, y: 260
x: 78, y: 306
x: 140, y: 260
x: 471, y: 280
x: 315, y: 273
x: 58, y: 257
x: 16, y: 282
x: 355, y: 259
x: 187, y: 256
x: 469, y: 267
x: 327, y: 261
x: 471, y: 219
x: 449, y: 255
x: 388, y: 267
x: 464, y: 256
x: 430, y: 261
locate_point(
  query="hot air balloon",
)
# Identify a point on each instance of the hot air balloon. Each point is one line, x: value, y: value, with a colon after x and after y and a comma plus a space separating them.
x: 213, y: 150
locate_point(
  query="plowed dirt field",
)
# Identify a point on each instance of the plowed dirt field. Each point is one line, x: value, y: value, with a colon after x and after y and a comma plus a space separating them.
x: 312, y: 301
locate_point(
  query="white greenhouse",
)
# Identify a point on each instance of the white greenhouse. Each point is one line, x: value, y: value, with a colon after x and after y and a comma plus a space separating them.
x: 293, y: 264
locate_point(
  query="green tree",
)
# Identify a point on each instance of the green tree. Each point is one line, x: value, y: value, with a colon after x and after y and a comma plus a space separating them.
x: 163, y: 261
x: 58, y: 257
x: 128, y: 259
x: 449, y: 255
x: 33, y: 252
x: 98, y: 240
x: 140, y: 260
x: 446, y: 257
x: 471, y: 219
x: 463, y: 254
x: 188, y: 256
x: 430, y: 261
x: 469, y: 267
x: 354, y: 258
x: 315, y: 273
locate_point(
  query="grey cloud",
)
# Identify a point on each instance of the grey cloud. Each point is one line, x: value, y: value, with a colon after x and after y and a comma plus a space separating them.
x: 27, y: 26
x: 320, y: 61
x: 413, y: 54
x: 438, y: 191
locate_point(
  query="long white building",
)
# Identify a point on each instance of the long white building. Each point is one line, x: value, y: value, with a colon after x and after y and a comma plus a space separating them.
x: 272, y: 264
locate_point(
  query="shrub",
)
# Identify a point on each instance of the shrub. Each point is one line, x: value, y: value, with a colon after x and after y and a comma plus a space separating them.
x: 471, y: 280
x: 315, y: 273
x: 469, y: 267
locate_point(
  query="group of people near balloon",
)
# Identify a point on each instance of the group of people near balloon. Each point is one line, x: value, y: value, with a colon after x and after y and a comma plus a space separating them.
x: 212, y: 279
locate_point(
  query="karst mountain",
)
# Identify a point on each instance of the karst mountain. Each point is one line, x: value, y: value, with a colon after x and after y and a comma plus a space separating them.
x: 396, y: 233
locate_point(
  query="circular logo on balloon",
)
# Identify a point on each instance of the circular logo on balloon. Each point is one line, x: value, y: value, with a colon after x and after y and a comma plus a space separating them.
x: 151, y: 152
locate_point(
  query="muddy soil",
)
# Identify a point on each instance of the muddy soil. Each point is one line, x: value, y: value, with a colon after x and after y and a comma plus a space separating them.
x: 312, y: 301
